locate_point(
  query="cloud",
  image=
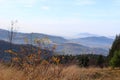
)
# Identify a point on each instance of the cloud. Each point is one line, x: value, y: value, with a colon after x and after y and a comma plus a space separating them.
x: 25, y: 3
x: 45, y: 8
x: 85, y: 2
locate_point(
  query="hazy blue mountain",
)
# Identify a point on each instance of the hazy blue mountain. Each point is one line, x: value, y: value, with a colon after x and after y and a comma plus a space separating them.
x: 67, y: 48
x: 83, y: 35
x: 6, y: 46
x: 112, y: 37
x: 3, y: 34
x: 18, y: 37
x: 76, y: 49
x: 96, y: 45
x: 99, y: 42
x: 17, y: 48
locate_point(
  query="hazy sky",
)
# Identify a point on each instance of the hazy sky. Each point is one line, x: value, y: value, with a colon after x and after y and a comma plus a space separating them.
x: 62, y: 17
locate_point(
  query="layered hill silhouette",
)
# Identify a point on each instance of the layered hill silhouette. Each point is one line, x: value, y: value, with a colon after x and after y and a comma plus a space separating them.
x: 99, y: 42
x: 95, y: 45
x: 4, y: 45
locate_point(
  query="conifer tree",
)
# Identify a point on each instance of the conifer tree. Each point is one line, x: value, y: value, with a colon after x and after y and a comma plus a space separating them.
x: 100, y: 61
x: 115, y: 47
x: 83, y: 61
x: 115, y: 60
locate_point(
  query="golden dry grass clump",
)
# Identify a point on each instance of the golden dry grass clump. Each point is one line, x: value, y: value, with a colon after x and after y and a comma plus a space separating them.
x: 58, y: 72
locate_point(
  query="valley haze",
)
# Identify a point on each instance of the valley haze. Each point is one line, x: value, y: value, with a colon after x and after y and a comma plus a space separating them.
x: 90, y: 44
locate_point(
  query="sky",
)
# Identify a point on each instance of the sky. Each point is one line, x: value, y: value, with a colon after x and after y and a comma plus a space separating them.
x: 62, y: 17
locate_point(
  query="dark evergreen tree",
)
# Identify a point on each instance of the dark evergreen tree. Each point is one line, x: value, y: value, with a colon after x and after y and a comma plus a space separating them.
x: 115, y: 60
x: 100, y: 61
x: 115, y: 47
x: 83, y: 61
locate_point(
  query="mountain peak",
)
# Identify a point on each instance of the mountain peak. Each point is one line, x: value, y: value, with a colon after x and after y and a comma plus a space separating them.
x: 82, y: 35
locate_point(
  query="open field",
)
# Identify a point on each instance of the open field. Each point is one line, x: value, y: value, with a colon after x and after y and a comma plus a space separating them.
x: 58, y: 73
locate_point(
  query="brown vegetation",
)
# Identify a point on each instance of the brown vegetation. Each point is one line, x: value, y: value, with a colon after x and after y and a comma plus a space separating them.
x: 58, y: 72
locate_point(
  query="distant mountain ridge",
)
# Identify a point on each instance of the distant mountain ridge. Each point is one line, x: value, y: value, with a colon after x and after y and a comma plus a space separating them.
x: 83, y: 35
x: 94, y: 44
x: 4, y: 45
x: 70, y: 48
x: 99, y: 42
x: 18, y: 37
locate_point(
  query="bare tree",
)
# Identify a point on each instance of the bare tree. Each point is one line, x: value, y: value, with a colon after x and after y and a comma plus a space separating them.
x: 11, y: 35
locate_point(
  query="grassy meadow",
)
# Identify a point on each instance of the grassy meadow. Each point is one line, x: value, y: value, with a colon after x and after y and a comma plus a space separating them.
x: 58, y: 72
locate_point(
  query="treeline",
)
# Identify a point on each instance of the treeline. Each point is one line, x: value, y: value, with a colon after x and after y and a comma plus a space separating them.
x: 84, y: 60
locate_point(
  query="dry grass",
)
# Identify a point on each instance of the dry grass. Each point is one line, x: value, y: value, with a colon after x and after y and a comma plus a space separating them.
x: 53, y: 72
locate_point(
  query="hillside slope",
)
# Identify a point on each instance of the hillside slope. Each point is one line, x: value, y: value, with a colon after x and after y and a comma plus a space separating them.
x: 99, y: 42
